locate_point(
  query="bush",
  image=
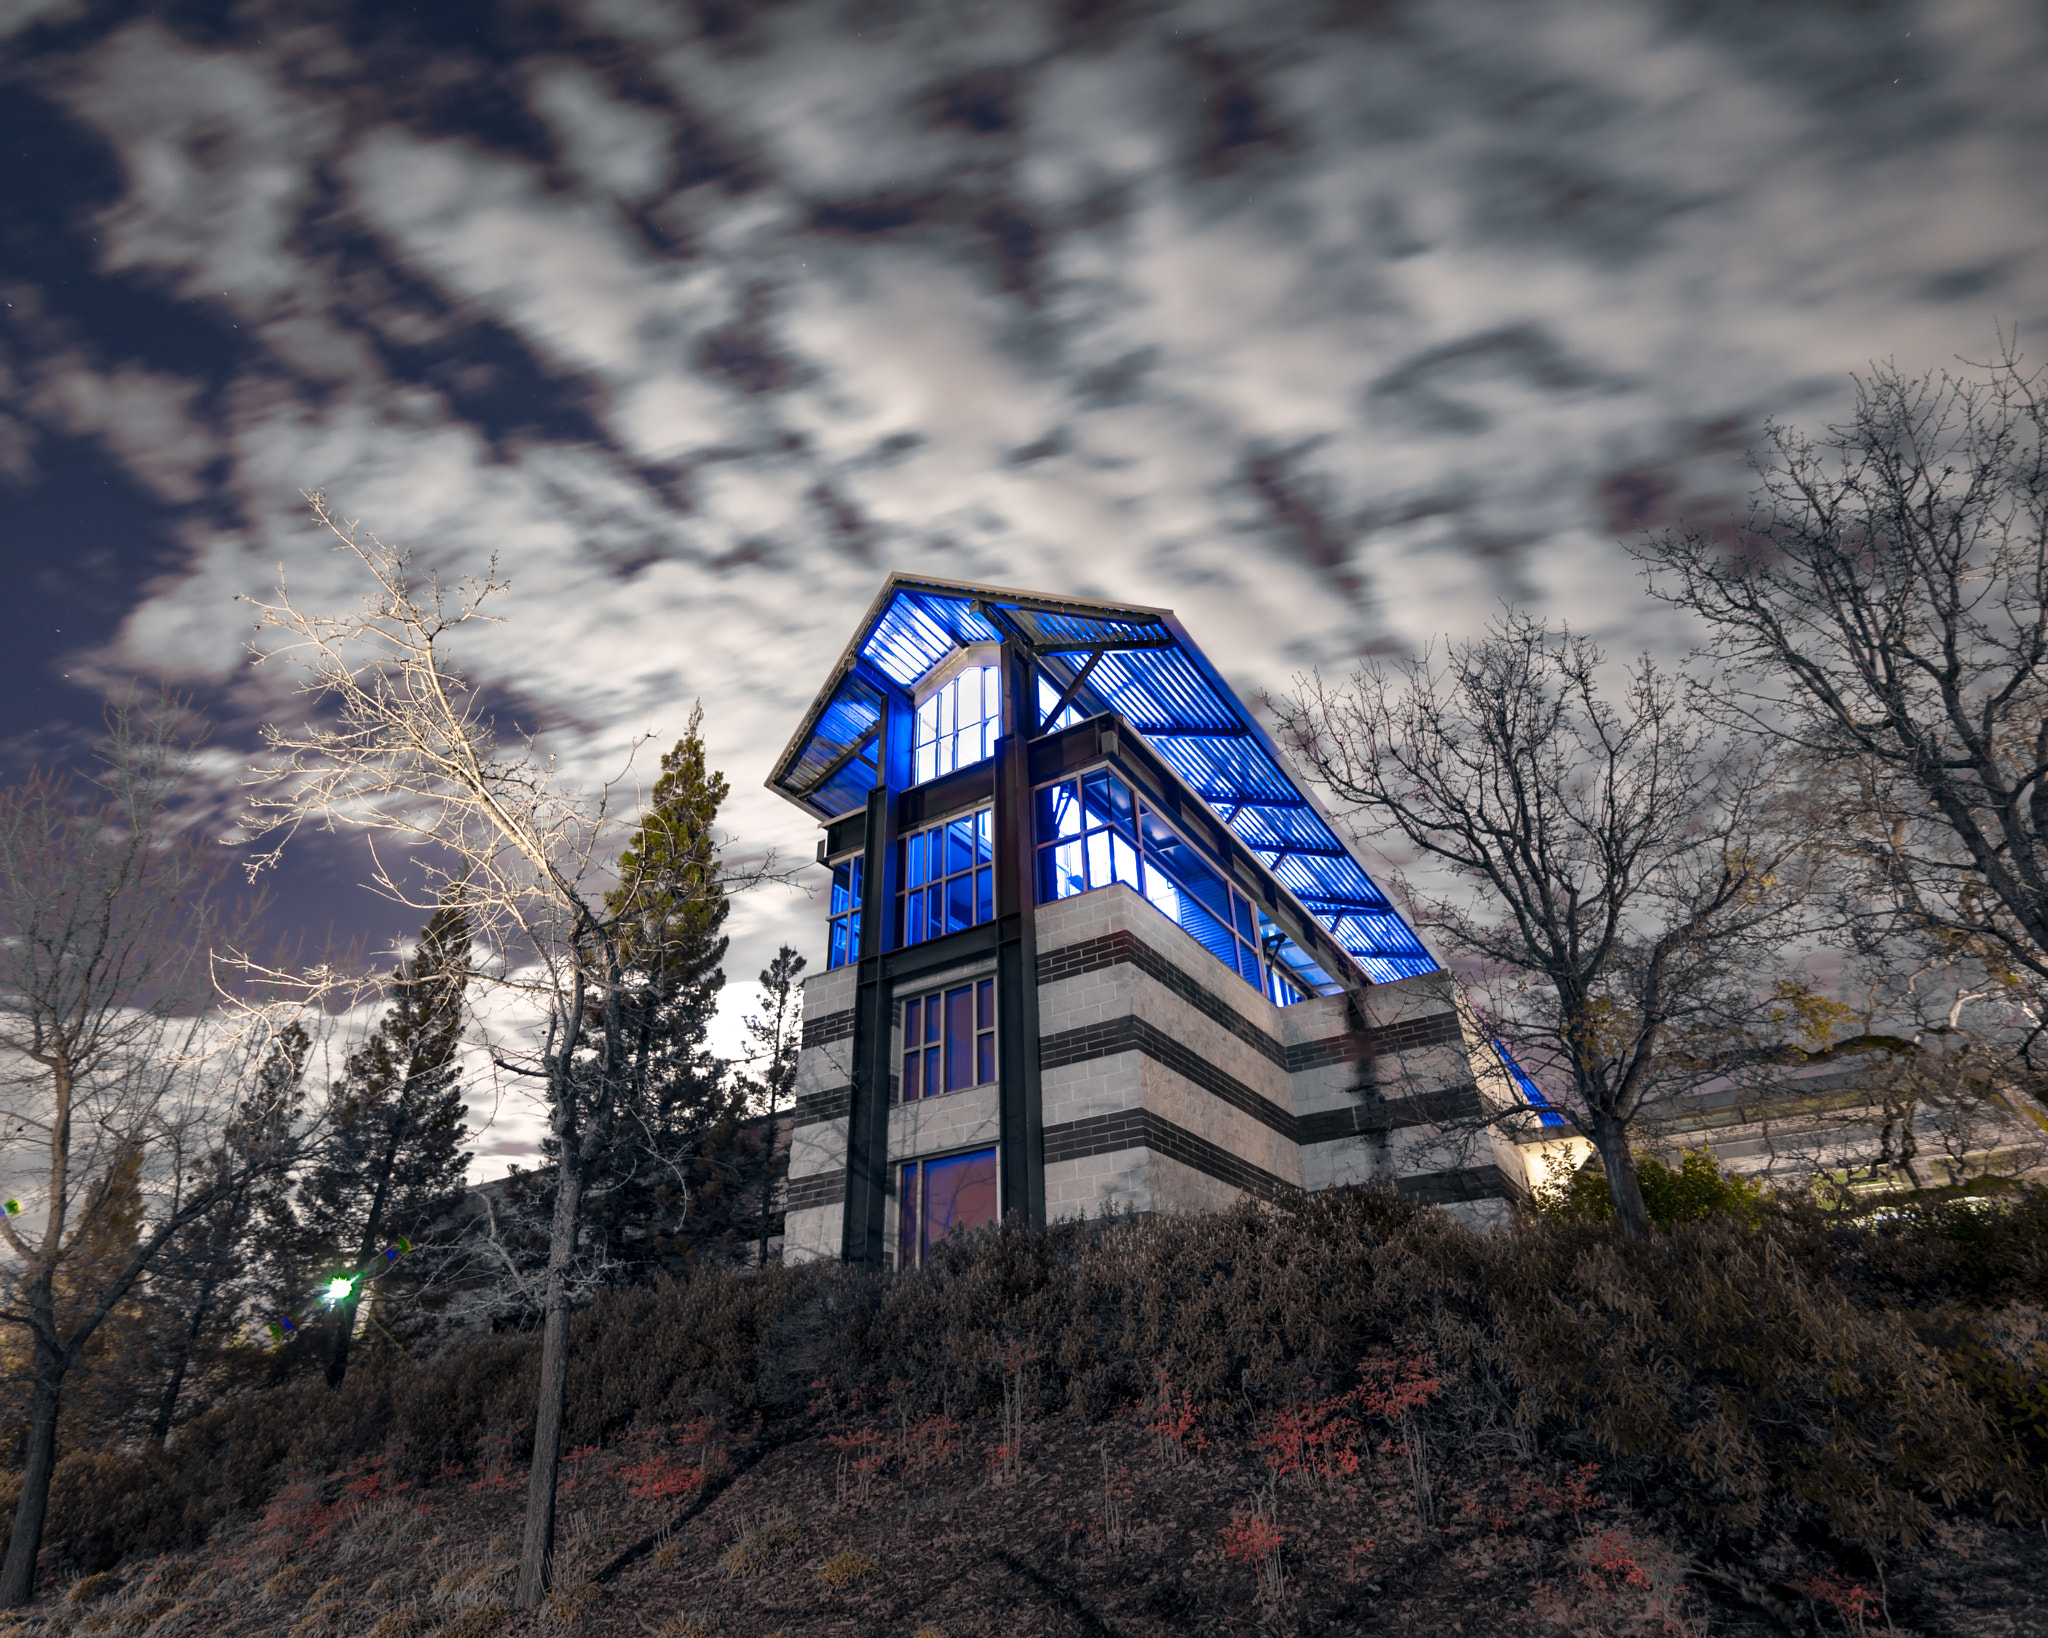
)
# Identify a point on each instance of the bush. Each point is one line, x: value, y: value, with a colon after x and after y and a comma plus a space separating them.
x: 1690, y: 1192
x: 1773, y: 1368
x: 1741, y: 1369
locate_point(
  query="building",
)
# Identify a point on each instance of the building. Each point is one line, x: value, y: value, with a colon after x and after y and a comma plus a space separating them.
x: 1091, y: 946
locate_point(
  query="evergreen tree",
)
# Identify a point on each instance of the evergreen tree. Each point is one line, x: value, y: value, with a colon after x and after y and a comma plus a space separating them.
x: 670, y: 1183
x: 776, y: 1033
x: 242, y: 1252
x: 394, y: 1161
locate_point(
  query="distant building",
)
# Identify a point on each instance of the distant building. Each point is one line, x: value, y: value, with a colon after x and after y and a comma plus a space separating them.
x: 1091, y: 946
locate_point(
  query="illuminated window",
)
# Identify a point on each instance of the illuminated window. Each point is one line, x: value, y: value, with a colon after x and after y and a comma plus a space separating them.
x: 845, y: 912
x: 949, y: 879
x: 949, y: 1040
x: 942, y: 1197
x: 958, y: 722
x: 1091, y: 832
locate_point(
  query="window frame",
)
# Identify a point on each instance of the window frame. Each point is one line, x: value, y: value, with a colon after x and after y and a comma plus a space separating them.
x: 922, y: 1052
x: 979, y: 873
x: 934, y: 691
x: 1124, y: 838
x: 842, y: 916
x: 913, y: 1248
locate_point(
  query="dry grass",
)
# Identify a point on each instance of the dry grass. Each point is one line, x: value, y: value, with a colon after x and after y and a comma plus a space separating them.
x: 471, y: 1585
x: 568, y: 1605
x: 479, y: 1622
x: 92, y: 1589
x: 760, y: 1545
x: 843, y: 1569
x: 408, y: 1622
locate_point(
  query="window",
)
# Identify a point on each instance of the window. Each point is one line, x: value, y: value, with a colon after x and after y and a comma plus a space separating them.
x: 845, y: 912
x: 949, y: 1040
x: 949, y: 879
x: 958, y: 722
x: 1092, y: 832
x: 942, y: 1197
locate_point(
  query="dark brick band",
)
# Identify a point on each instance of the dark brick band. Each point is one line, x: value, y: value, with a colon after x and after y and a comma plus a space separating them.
x: 1375, y: 1116
x: 1129, y: 1034
x: 1446, y: 1188
x: 818, y: 1189
x: 1142, y: 1129
x: 1359, y: 1046
x: 1124, y: 948
x: 815, y: 1108
x: 833, y: 1026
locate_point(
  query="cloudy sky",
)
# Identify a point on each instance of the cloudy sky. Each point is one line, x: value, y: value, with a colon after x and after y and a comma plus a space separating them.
x: 1328, y: 325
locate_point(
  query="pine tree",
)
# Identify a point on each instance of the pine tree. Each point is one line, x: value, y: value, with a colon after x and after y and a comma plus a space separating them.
x: 394, y: 1161
x: 669, y: 1182
x: 776, y: 1034
x: 242, y: 1249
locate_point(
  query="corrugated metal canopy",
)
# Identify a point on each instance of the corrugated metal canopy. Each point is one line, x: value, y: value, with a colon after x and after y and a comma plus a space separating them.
x: 1169, y: 692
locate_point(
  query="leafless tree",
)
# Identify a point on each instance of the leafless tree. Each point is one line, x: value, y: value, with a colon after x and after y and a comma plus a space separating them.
x: 407, y: 752
x: 1620, y: 881
x: 108, y: 918
x: 1883, y: 613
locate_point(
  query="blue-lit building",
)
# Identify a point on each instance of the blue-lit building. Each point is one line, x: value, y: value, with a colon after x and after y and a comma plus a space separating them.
x: 1089, y: 944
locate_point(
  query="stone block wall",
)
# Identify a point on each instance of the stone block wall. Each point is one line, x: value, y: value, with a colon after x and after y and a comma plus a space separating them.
x: 1168, y: 1084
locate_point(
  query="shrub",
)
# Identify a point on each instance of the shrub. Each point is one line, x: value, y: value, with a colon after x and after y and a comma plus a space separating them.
x: 1690, y: 1192
x: 1745, y: 1364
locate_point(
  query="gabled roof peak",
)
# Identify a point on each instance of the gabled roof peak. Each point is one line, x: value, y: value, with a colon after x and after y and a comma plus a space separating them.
x: 1146, y: 668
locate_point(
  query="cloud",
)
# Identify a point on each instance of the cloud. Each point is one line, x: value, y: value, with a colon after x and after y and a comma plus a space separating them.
x: 1328, y: 334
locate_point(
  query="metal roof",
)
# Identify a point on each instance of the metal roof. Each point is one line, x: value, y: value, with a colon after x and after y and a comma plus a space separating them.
x: 1168, y: 691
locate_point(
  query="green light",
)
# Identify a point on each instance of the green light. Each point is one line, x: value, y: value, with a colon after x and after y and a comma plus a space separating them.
x: 338, y: 1289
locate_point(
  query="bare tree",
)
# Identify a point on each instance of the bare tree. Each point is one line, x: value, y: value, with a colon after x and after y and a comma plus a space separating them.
x: 108, y: 917
x: 408, y: 753
x: 1883, y: 612
x: 1620, y: 880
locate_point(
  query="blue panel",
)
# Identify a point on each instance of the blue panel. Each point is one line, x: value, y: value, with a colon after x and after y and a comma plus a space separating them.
x: 1169, y: 695
x: 1528, y: 1088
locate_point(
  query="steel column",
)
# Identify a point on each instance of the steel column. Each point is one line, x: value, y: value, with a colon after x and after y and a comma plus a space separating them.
x: 868, y: 1183
x: 1021, y: 1116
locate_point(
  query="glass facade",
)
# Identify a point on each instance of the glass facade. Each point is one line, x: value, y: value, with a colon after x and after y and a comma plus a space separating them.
x: 948, y: 876
x: 941, y: 1197
x: 845, y: 939
x: 958, y: 722
x: 1092, y: 831
x: 949, y: 1040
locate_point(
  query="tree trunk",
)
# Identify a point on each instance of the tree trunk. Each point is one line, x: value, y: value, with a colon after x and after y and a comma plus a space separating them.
x: 537, y: 1544
x: 161, y: 1431
x: 373, y: 1229
x: 18, y: 1574
x: 1610, y: 1138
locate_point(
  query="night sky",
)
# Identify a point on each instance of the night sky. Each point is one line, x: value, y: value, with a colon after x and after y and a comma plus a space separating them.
x: 1328, y: 326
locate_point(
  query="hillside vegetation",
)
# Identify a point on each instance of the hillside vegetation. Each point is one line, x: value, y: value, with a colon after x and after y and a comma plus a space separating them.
x: 1348, y: 1415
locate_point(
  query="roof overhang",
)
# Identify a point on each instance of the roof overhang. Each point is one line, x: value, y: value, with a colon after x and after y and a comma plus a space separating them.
x: 1140, y: 664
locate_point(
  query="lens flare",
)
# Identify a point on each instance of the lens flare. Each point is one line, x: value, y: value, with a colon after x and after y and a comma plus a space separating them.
x: 339, y: 1288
